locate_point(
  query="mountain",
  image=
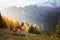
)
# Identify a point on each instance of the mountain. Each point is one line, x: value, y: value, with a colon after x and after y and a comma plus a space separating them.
x: 44, y: 16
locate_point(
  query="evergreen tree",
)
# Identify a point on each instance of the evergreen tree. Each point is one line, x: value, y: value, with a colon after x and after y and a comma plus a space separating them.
x: 11, y: 28
x: 31, y: 29
x: 1, y: 21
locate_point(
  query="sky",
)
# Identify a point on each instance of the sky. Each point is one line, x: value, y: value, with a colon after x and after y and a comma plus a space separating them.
x: 18, y: 3
x: 22, y: 3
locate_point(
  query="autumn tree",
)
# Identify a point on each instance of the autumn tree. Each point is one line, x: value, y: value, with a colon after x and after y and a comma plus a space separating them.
x: 34, y: 29
x: 37, y: 29
x: 4, y: 22
x: 57, y: 33
x: 26, y: 27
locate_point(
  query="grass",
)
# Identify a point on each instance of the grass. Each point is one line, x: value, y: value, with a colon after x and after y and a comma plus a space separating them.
x: 6, y: 35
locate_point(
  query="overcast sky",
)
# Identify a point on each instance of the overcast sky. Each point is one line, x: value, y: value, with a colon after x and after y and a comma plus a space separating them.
x: 19, y: 3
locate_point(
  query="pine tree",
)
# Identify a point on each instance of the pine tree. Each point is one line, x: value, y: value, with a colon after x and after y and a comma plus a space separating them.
x: 31, y: 29
x: 1, y: 21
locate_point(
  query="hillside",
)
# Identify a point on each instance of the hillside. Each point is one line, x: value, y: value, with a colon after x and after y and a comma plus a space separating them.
x: 6, y: 33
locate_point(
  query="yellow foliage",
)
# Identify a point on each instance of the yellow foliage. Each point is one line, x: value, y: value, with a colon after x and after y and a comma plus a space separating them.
x: 15, y: 23
x: 37, y: 28
x: 26, y: 27
x: 10, y: 23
